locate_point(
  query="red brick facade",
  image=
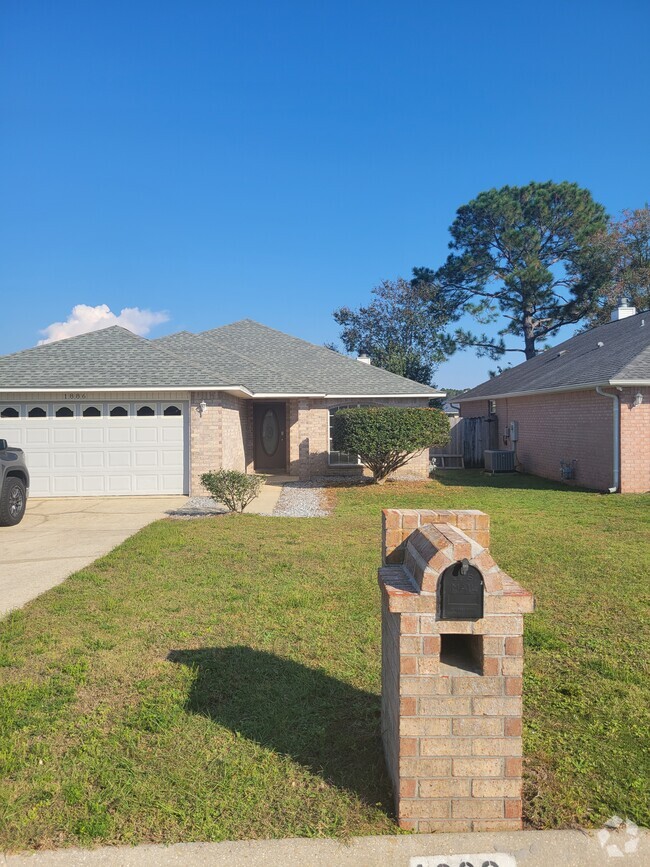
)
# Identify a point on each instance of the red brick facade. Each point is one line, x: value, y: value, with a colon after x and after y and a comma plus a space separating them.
x: 577, y: 426
x: 635, y: 441
x: 222, y: 436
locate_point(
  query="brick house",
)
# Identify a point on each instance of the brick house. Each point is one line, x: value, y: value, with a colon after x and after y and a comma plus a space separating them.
x: 112, y: 413
x: 582, y: 408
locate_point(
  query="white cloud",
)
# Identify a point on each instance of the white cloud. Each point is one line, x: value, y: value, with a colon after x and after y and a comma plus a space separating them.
x: 85, y: 318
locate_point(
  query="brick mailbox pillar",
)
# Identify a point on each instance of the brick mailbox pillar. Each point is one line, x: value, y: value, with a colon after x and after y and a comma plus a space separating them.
x: 451, y: 688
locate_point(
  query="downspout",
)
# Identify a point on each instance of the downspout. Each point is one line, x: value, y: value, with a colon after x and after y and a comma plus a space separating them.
x: 615, y: 437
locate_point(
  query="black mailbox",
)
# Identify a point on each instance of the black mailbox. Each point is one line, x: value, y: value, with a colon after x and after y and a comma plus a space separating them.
x: 461, y: 592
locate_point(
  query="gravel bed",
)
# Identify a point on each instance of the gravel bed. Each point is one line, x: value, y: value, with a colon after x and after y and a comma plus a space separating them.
x: 301, y: 500
x: 297, y: 500
x: 198, y: 507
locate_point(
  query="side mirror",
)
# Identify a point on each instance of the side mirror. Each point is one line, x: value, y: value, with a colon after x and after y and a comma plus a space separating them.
x: 3, y: 445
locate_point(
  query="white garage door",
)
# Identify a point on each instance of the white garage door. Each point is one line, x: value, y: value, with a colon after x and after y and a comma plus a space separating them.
x: 94, y: 448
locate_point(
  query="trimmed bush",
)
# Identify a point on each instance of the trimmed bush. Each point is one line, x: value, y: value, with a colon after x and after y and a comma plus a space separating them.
x: 386, y: 437
x: 232, y: 488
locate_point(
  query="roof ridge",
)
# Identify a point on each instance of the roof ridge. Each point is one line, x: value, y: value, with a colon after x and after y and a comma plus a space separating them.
x: 339, y: 355
x: 268, y: 364
x: 592, y: 357
x: 185, y: 360
x: 84, y: 334
x: 645, y: 353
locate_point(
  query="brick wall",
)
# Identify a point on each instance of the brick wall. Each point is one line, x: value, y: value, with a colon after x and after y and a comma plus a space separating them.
x: 390, y: 697
x: 553, y: 427
x: 578, y: 425
x: 397, y: 525
x: 221, y: 436
x: 451, y: 722
x: 205, y: 438
x: 236, y: 432
x: 309, y: 439
x: 635, y: 441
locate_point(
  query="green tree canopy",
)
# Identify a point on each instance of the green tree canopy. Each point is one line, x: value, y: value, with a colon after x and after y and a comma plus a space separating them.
x: 402, y: 329
x: 522, y: 254
x: 625, y: 249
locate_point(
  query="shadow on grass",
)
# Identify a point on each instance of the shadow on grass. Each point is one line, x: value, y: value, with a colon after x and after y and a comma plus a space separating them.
x: 477, y: 478
x: 329, y: 727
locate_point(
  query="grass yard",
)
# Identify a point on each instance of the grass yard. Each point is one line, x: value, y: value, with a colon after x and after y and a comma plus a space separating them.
x: 219, y: 678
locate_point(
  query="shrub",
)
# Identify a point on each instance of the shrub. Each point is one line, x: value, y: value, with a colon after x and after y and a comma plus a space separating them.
x: 232, y: 488
x: 386, y: 437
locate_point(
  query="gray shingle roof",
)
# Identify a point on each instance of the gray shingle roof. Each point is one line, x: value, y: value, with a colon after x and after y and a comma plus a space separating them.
x: 244, y: 354
x: 580, y: 361
x: 110, y: 358
x: 271, y: 362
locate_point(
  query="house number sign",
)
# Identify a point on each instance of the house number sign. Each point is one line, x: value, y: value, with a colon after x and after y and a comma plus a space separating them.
x: 75, y: 395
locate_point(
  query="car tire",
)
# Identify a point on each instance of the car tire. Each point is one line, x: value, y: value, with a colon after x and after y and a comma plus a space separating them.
x: 13, y: 501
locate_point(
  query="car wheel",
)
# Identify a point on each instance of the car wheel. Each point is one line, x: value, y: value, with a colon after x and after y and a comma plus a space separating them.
x: 13, y: 500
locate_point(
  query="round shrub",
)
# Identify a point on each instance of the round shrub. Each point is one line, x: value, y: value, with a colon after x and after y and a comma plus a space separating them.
x: 386, y: 437
x: 232, y: 488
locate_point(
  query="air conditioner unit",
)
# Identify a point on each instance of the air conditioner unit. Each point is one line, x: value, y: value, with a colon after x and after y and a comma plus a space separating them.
x: 499, y: 461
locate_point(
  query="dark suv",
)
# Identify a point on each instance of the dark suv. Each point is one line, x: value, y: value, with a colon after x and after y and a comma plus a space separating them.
x: 14, y: 485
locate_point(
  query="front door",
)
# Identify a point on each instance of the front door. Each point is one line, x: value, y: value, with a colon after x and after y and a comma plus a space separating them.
x: 269, y: 422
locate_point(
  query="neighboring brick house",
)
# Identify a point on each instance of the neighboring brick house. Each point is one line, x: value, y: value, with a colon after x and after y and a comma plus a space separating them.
x: 112, y: 413
x: 583, y: 405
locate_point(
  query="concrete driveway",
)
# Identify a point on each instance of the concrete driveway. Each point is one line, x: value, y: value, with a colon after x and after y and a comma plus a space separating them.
x: 60, y: 535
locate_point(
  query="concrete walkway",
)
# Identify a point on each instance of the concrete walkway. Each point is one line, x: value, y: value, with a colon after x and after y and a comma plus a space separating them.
x: 203, y: 506
x: 520, y: 849
x: 269, y: 495
x: 60, y: 535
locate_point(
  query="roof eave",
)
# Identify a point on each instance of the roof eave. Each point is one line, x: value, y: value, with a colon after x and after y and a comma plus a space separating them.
x: 325, y: 396
x: 235, y: 389
x: 556, y: 390
x: 106, y: 389
x: 427, y: 394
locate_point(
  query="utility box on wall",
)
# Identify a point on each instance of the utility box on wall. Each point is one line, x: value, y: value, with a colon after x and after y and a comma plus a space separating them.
x: 452, y: 662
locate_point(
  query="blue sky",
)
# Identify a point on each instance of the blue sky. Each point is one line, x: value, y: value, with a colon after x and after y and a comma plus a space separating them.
x: 277, y: 160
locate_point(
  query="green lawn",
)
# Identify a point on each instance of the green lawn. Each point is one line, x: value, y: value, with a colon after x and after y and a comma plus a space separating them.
x: 219, y: 678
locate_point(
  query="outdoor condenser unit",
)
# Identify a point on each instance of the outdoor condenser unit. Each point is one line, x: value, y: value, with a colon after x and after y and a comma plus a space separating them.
x: 499, y: 461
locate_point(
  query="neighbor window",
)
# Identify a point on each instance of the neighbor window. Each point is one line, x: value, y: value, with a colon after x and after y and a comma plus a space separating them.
x: 64, y: 412
x: 336, y: 458
x: 9, y: 412
x: 119, y: 410
x: 92, y: 412
x: 146, y: 410
x: 172, y: 410
x: 37, y: 412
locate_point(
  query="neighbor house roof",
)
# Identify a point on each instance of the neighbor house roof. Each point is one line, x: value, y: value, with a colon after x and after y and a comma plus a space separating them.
x: 244, y: 357
x: 617, y: 353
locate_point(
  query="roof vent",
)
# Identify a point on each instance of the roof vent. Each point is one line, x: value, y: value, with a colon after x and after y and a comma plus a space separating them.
x: 561, y: 352
x: 600, y: 343
x: 363, y: 358
x: 623, y: 310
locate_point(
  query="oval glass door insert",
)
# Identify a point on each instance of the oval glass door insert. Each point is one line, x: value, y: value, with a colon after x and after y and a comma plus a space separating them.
x: 270, y: 432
